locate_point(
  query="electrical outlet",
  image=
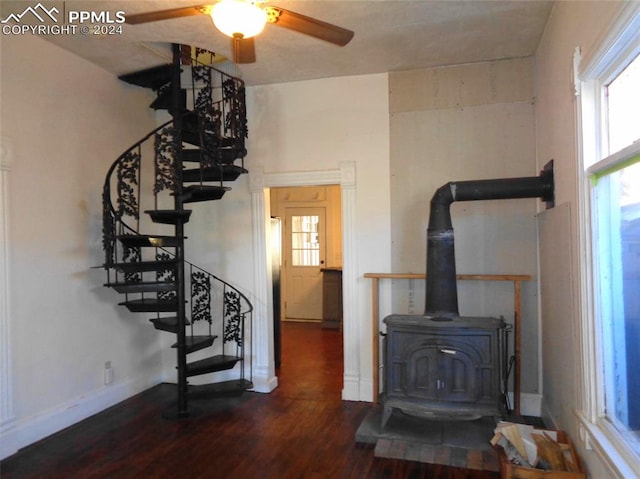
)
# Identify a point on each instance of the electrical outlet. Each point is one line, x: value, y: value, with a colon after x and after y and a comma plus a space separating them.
x: 108, y: 373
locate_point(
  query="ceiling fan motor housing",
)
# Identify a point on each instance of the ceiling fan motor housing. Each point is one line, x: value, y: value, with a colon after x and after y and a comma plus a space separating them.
x: 238, y: 18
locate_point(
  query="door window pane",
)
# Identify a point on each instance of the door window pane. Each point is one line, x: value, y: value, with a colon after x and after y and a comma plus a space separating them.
x: 305, y: 247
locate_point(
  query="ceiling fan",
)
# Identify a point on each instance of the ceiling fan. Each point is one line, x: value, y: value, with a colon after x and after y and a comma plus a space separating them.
x: 242, y: 20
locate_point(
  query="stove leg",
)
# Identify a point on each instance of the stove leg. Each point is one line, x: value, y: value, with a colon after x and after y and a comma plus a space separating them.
x: 386, y: 414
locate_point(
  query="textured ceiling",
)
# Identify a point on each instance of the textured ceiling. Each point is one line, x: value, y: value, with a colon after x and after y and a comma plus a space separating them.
x: 389, y: 36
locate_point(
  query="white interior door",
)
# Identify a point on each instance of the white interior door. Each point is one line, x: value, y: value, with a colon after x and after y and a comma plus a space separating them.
x: 304, y: 249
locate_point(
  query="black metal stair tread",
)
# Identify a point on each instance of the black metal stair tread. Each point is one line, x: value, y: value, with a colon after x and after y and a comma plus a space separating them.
x: 234, y: 387
x: 190, y: 132
x: 193, y: 135
x: 196, y: 343
x: 230, y: 141
x: 164, y: 101
x: 191, y: 155
x: 153, y: 77
x: 194, y: 193
x: 224, y: 172
x: 228, y: 154
x: 140, y: 266
x: 150, y: 240
x: 216, y: 155
x: 167, y: 323
x: 219, y: 362
x: 190, y: 118
x: 150, y: 305
x: 191, y: 122
x: 190, y: 137
x: 225, y: 154
x: 143, y: 286
x: 169, y: 217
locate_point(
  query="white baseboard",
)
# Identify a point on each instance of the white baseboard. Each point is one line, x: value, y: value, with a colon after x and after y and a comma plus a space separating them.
x: 20, y: 433
x: 530, y: 404
x: 351, y: 389
x: 264, y: 383
x: 366, y: 390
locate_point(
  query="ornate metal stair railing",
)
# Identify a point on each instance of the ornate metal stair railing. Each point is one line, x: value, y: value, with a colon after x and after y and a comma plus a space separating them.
x: 217, y: 309
x: 127, y: 193
x: 219, y: 100
x: 225, y: 309
x: 213, y: 89
x: 127, y: 169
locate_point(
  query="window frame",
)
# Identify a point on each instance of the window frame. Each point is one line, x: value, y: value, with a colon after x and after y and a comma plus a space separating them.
x: 612, y: 54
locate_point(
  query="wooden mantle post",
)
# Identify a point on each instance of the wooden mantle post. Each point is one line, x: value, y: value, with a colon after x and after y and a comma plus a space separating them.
x: 517, y: 280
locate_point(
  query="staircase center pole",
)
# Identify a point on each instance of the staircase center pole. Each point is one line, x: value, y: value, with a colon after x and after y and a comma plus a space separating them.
x: 176, y: 113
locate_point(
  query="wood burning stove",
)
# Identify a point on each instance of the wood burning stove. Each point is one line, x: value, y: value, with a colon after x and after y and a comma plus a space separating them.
x: 441, y: 365
x: 443, y: 369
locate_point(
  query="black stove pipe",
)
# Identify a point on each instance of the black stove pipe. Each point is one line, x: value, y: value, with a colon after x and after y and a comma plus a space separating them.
x: 442, y: 292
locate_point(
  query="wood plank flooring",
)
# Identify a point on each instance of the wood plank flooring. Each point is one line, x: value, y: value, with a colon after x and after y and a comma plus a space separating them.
x: 302, y: 430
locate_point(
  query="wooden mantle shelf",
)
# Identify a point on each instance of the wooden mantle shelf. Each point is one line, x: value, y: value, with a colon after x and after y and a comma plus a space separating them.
x: 516, y: 279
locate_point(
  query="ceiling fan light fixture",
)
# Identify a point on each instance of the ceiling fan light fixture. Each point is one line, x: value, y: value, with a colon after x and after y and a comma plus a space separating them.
x: 238, y: 18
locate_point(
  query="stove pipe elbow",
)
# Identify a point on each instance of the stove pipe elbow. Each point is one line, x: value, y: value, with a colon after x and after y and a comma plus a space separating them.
x: 441, y: 285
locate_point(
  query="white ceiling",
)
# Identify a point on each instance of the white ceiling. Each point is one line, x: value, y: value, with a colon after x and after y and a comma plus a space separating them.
x: 390, y: 35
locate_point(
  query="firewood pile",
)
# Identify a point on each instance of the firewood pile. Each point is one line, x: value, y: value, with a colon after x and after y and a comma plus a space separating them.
x: 530, y: 453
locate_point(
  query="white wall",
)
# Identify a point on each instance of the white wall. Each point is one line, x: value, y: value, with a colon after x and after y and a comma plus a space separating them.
x: 314, y: 127
x: 467, y: 122
x: 572, y: 24
x: 66, y: 121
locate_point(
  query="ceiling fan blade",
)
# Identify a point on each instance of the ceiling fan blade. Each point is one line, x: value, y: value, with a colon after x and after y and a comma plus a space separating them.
x: 309, y: 26
x: 244, y: 50
x: 137, y: 18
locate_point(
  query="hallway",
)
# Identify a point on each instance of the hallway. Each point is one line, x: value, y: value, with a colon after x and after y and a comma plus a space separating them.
x: 311, y: 364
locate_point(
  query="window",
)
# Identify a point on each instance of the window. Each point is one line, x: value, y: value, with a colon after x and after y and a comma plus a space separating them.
x: 305, y: 246
x: 610, y: 112
x: 616, y: 217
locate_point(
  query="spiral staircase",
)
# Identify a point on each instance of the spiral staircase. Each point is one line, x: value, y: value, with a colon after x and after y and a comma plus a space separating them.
x: 191, y: 158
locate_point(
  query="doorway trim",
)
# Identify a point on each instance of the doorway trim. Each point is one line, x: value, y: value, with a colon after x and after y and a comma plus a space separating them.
x: 6, y: 370
x: 265, y: 379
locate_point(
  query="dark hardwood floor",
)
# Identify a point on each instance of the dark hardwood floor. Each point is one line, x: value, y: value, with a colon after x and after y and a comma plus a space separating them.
x: 302, y: 430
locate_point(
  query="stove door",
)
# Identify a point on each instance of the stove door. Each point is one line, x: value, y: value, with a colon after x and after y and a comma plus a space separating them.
x: 442, y: 372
